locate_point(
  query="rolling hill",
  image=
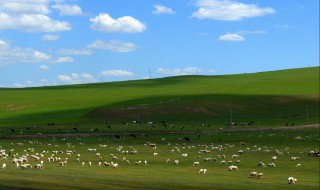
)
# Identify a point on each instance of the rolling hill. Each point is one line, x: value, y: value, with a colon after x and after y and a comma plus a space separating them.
x: 268, y: 99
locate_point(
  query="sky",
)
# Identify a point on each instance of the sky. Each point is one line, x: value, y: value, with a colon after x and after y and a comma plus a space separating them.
x: 60, y: 42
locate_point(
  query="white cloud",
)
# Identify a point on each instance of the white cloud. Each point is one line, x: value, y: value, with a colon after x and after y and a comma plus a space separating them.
x: 40, y: 55
x: 127, y: 24
x: 50, y: 37
x: 113, y: 45
x: 29, y: 16
x: 65, y: 78
x: 179, y: 71
x: 159, y: 9
x: 25, y: 6
x: 231, y: 37
x: 76, y: 51
x: 76, y: 78
x: 86, y: 76
x: 68, y: 10
x: 44, y: 67
x: 32, y: 23
x: 117, y: 73
x: 228, y: 10
x: 65, y: 60
x: 9, y: 54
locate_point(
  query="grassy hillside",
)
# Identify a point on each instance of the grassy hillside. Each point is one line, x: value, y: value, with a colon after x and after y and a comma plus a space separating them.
x: 267, y: 99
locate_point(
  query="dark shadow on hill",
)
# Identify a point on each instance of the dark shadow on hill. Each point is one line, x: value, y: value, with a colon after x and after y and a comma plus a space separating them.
x: 217, y: 108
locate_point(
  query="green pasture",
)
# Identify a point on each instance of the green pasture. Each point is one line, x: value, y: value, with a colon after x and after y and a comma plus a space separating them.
x: 269, y: 99
x: 159, y: 175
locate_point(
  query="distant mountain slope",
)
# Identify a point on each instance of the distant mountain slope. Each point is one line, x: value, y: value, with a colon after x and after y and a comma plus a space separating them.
x: 268, y: 98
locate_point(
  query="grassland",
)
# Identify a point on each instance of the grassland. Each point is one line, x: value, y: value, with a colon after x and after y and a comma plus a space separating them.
x: 159, y: 175
x: 270, y: 99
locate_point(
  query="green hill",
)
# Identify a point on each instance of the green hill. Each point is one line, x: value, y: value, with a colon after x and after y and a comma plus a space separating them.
x: 269, y: 99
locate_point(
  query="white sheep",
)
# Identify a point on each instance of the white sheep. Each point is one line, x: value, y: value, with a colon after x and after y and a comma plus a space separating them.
x: 261, y: 164
x: 176, y: 162
x: 4, y: 165
x: 89, y: 164
x: 274, y: 158
x: 83, y: 164
x: 253, y: 174
x: 195, y: 164
x: 298, y: 165
x: 292, y: 180
x: 99, y: 164
x: 155, y: 154
x: 295, y: 158
x: 184, y: 155
x: 233, y: 168
x: 202, y: 171
x: 235, y: 156
x: 260, y: 175
x: 272, y: 165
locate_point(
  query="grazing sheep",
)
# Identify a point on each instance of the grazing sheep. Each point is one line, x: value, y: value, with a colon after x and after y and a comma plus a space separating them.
x: 298, y: 165
x: 184, y: 155
x: 4, y: 165
x: 260, y: 175
x: 176, y: 162
x: 273, y: 165
x: 167, y: 161
x: 292, y: 180
x: 202, y: 171
x: 274, y: 158
x: 235, y: 156
x: 195, y: 164
x: 253, y: 175
x: 99, y: 164
x: 295, y: 158
x: 145, y: 162
x: 82, y: 164
x: 261, y: 164
x: 90, y: 164
x: 222, y: 162
x: 232, y: 168
x: 155, y: 154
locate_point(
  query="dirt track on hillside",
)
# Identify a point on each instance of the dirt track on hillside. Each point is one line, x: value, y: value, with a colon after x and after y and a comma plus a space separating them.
x: 230, y: 130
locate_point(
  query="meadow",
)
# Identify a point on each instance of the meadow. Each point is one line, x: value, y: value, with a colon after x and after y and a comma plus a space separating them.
x: 259, y: 146
x: 282, y: 107
x: 269, y: 99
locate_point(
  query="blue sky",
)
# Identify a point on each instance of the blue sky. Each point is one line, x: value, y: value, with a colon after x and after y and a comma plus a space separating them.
x: 57, y: 42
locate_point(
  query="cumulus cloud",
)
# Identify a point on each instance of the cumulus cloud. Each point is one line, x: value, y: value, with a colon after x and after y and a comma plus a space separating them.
x: 44, y: 67
x: 159, y: 9
x: 179, y: 71
x: 65, y: 60
x: 68, y: 10
x: 32, y: 23
x: 75, y: 51
x: 228, y: 10
x: 29, y: 16
x: 76, y: 78
x: 127, y: 24
x: 11, y: 54
x: 50, y: 37
x: 117, y: 73
x: 25, y: 6
x: 231, y: 37
x: 113, y: 45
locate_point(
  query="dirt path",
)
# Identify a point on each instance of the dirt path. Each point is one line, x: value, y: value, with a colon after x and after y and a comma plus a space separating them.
x: 316, y: 126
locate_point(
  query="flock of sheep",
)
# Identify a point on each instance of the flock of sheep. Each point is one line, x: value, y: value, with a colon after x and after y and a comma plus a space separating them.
x: 180, y: 151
